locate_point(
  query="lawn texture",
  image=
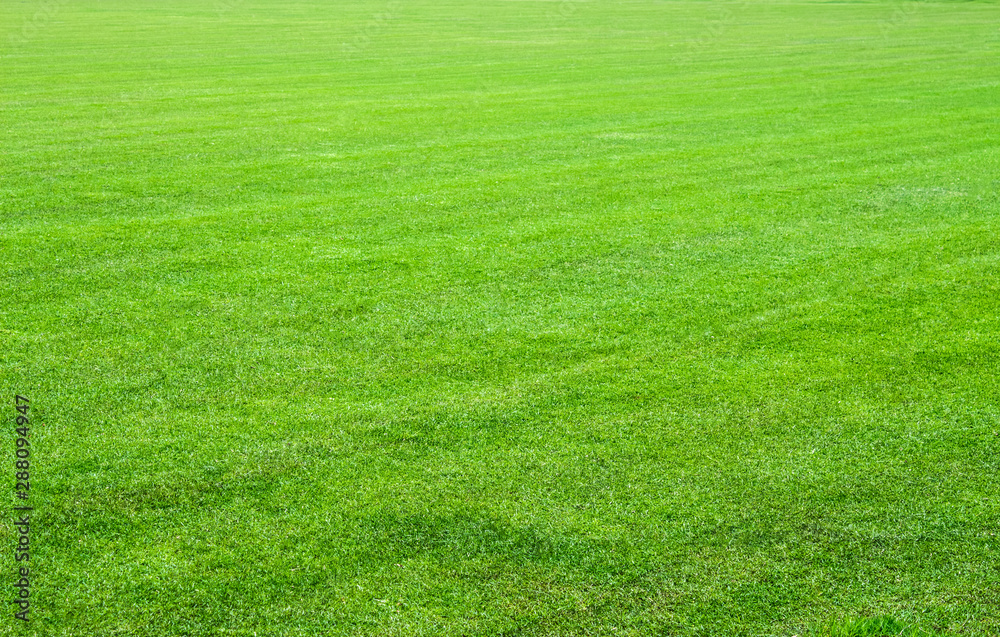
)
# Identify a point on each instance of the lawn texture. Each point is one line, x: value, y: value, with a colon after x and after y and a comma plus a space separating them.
x: 506, y: 317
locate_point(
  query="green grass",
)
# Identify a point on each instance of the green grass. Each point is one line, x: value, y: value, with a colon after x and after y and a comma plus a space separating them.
x: 504, y: 317
x: 874, y: 627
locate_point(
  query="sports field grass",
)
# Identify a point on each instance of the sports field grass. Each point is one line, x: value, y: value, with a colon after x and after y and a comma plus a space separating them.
x: 503, y: 317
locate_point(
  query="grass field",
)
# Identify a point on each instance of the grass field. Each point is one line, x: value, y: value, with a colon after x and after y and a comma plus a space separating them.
x: 503, y: 317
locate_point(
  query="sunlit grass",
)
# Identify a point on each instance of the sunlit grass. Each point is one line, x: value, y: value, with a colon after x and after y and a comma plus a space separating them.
x: 504, y: 317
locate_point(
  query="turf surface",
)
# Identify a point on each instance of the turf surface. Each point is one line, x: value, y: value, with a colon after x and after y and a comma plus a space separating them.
x: 504, y: 317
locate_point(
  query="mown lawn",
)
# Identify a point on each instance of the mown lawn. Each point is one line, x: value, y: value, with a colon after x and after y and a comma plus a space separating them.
x: 503, y: 317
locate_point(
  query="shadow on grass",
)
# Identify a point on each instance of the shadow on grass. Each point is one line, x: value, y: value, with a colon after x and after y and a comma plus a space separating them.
x: 463, y: 536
